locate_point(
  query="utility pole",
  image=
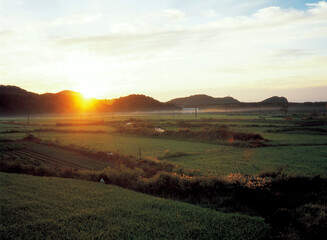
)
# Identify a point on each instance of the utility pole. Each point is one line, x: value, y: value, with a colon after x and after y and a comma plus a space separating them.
x: 140, y: 153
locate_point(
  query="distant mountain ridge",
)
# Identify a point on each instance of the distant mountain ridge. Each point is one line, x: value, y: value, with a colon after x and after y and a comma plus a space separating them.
x: 201, y: 99
x: 275, y: 99
x: 14, y: 100
x: 139, y: 102
x: 13, y: 90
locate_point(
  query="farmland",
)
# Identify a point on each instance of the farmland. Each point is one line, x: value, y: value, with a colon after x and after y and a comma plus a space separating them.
x: 73, y: 209
x: 301, y: 152
x: 233, y: 163
x: 163, y: 120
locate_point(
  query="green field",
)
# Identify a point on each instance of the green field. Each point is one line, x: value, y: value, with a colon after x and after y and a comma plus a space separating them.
x: 297, y: 152
x: 273, y: 167
x: 73, y: 209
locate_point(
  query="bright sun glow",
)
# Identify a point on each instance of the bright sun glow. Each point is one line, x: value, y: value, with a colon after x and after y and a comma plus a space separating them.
x: 89, y: 92
x: 90, y: 73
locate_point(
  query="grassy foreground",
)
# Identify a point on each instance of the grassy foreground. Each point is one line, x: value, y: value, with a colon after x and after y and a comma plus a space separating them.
x: 55, y: 208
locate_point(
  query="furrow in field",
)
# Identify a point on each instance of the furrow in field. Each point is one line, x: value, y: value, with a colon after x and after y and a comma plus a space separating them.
x: 48, y: 159
x: 58, y: 160
x: 23, y: 154
x: 37, y: 157
x: 61, y: 156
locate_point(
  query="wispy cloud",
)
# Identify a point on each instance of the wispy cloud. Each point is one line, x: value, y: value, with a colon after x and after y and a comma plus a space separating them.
x: 210, y: 13
x: 174, y: 14
x: 263, y: 22
x: 6, y: 33
x: 73, y: 19
x: 293, y: 53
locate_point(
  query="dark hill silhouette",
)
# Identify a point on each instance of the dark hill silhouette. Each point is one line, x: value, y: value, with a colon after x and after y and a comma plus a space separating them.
x: 201, y: 99
x: 14, y: 100
x: 275, y: 99
x: 138, y: 102
x: 13, y: 90
x: 69, y: 93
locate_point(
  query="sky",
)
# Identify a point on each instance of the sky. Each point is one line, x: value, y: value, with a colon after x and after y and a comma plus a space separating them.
x: 247, y: 49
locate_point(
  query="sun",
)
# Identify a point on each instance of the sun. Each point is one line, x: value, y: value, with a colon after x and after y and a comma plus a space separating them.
x: 89, y: 91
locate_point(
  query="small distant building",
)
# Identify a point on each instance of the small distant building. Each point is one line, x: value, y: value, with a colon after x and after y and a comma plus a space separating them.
x: 159, y: 129
x: 191, y: 110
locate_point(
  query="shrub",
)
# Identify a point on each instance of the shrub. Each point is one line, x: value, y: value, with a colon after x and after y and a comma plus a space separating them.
x: 211, y: 133
x: 30, y: 137
x: 174, y: 155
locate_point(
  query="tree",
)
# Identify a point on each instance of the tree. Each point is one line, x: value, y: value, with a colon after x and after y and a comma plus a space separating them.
x: 284, y: 108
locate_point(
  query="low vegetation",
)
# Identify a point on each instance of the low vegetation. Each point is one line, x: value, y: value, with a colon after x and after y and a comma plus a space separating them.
x: 266, y: 167
x: 211, y: 134
x: 271, y: 195
x: 72, y: 209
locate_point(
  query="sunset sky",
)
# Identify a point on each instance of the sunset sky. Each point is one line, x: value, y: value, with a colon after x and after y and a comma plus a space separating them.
x: 248, y: 49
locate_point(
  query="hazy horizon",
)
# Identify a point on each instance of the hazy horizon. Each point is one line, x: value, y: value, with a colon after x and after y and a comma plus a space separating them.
x: 250, y: 50
x: 256, y: 98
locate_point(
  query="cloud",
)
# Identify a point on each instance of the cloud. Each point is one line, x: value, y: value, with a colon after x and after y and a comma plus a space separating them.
x: 210, y: 13
x: 7, y: 33
x: 133, y: 45
x: 73, y: 19
x: 129, y: 38
x: 321, y: 4
x: 318, y: 8
x: 263, y: 18
x: 293, y: 53
x: 272, y: 46
x: 174, y: 14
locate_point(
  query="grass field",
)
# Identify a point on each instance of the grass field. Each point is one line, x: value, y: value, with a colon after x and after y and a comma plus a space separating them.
x: 272, y: 161
x: 73, y: 209
x: 297, y: 152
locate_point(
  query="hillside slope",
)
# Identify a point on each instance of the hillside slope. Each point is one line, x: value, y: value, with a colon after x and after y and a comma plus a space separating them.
x: 54, y: 208
x: 275, y: 99
x: 139, y: 102
x: 201, y: 99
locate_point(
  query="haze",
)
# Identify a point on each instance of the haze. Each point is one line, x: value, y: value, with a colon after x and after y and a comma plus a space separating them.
x: 250, y: 50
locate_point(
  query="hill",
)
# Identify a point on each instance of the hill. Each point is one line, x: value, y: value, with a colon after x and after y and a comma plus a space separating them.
x: 13, y: 90
x: 138, y: 102
x: 201, y: 99
x: 55, y: 208
x: 275, y: 99
x: 14, y: 100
